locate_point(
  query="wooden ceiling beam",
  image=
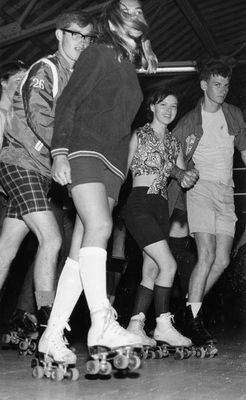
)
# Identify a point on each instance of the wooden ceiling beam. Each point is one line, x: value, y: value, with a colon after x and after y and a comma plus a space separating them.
x: 12, y: 33
x: 198, y: 24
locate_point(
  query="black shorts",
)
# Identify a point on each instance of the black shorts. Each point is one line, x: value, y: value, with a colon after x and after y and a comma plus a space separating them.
x: 147, y: 217
x: 92, y: 169
x: 26, y: 190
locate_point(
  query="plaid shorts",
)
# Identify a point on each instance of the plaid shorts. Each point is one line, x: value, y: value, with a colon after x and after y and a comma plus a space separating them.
x: 26, y: 190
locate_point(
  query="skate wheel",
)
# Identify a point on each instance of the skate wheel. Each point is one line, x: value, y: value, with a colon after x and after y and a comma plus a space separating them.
x: 178, y: 355
x: 120, y: 361
x: 23, y: 346
x: 92, y: 367
x: 72, y: 374
x: 57, y: 375
x: 158, y: 354
x: 151, y: 354
x: 200, y: 353
x: 193, y: 351
x: 105, y: 368
x: 187, y: 353
x: 38, y: 372
x: 6, y: 338
x: 32, y: 347
x: 134, y: 362
x: 144, y: 355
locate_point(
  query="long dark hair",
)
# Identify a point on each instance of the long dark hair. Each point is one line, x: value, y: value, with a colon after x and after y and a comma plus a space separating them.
x: 122, y: 21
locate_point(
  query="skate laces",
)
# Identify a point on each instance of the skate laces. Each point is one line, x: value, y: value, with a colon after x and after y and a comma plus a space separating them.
x: 140, y: 322
x: 170, y: 319
x: 57, y: 341
x: 110, y: 322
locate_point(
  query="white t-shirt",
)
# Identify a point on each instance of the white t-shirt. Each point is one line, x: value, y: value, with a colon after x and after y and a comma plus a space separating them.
x: 213, y: 156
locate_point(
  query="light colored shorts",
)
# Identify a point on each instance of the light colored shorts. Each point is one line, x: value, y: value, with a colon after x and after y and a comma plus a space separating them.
x: 210, y: 208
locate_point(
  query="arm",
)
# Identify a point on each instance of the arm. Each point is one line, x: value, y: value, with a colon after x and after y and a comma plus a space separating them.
x: 132, y: 149
x: 243, y: 156
x: 186, y: 178
x: 88, y: 71
x: 2, y: 126
x: 39, y: 102
x: 61, y: 170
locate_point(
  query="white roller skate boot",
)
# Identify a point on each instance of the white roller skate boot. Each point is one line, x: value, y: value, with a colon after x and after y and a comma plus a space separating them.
x: 105, y: 331
x: 166, y: 333
x: 136, y: 325
x: 111, y: 345
x: 53, y: 345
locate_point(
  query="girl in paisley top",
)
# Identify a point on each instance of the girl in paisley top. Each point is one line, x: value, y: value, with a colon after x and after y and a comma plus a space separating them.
x: 154, y: 155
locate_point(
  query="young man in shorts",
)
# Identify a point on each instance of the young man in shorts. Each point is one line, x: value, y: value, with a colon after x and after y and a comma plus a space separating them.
x: 25, y: 158
x: 208, y: 135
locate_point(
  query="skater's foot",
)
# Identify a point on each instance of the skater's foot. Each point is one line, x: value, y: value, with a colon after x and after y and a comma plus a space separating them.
x: 53, y: 345
x: 165, y: 332
x: 106, y: 331
x: 194, y: 327
x: 136, y: 326
x: 23, y: 321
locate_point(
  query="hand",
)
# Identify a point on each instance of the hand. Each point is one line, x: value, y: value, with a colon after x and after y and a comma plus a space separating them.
x: 189, y: 178
x: 61, y: 171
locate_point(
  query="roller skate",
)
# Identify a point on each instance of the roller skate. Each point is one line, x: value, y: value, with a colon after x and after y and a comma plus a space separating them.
x: 54, y: 359
x: 110, y: 345
x: 203, y: 344
x: 23, y: 333
x: 43, y: 318
x: 149, y: 350
x: 169, y: 340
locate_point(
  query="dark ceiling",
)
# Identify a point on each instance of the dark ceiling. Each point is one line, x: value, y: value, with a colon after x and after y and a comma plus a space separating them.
x: 180, y: 30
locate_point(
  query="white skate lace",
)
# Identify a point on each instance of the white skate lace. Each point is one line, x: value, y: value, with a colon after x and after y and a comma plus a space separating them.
x: 140, y: 330
x: 111, y: 323
x: 57, y: 340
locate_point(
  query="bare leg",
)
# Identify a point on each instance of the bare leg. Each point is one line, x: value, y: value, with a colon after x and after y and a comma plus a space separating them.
x: 162, y: 256
x: 205, y: 243
x: 12, y: 235
x: 222, y: 260
x: 44, y: 226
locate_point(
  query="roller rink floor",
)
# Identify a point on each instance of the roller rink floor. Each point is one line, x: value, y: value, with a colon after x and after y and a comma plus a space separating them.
x: 220, y: 378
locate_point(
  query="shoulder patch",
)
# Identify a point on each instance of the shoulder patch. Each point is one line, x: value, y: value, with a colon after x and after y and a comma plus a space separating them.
x: 40, y: 83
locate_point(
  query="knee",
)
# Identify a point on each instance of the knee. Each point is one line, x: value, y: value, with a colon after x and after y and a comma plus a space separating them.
x: 102, y: 228
x: 51, y: 240
x: 221, y: 262
x: 150, y: 274
x: 206, y: 257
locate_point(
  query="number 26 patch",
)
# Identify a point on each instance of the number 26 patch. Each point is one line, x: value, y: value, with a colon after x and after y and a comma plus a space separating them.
x: 38, y: 83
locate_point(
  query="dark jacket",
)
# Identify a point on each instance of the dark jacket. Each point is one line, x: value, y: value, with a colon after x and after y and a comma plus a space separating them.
x: 96, y: 110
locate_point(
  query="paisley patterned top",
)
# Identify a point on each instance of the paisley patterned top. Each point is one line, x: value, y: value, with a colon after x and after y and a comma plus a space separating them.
x: 154, y: 156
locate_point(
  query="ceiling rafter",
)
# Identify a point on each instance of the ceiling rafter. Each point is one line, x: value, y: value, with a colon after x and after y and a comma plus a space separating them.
x: 13, y: 33
x: 198, y: 24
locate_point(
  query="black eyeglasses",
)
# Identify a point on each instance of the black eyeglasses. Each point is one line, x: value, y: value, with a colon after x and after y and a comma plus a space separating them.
x: 78, y: 35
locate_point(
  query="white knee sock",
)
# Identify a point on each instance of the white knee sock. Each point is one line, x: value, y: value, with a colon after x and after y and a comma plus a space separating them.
x: 92, y: 266
x: 68, y: 291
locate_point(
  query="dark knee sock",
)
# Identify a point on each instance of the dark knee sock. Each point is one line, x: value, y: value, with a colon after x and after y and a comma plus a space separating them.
x: 161, y: 299
x: 143, y: 300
